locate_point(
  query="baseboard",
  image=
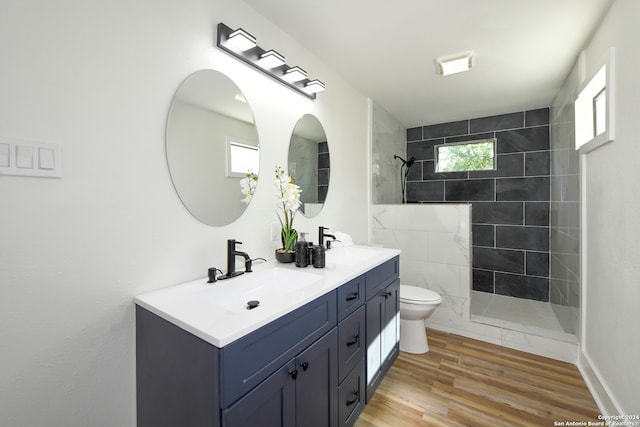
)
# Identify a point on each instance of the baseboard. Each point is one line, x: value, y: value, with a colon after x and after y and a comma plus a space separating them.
x: 598, y: 388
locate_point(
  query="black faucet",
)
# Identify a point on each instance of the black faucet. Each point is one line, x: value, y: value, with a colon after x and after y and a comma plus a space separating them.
x: 232, y: 253
x: 322, y: 235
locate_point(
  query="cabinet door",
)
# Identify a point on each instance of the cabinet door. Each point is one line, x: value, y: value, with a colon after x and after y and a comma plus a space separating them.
x: 374, y: 312
x: 271, y: 404
x: 390, y: 322
x: 317, y: 383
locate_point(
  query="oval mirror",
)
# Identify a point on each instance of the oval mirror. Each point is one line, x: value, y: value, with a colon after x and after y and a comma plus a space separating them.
x: 309, y: 163
x: 212, y: 147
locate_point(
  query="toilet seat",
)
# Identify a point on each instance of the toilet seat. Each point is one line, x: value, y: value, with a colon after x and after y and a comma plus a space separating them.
x: 416, y: 295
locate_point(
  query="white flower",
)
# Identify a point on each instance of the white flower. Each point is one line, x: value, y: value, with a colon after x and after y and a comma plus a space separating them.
x: 248, y: 186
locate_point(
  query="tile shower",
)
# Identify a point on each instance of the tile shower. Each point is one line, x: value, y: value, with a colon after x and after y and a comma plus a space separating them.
x: 500, y: 207
x: 510, y: 206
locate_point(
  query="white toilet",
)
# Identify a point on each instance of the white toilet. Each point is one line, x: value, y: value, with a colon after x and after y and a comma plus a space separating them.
x: 416, y: 304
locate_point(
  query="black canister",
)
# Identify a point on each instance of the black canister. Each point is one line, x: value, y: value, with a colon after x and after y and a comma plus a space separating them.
x: 302, y: 257
x: 318, y: 256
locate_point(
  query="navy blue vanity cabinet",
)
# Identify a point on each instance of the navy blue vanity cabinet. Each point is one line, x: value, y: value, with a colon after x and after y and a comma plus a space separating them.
x: 382, y: 321
x: 301, y: 393
x: 176, y: 375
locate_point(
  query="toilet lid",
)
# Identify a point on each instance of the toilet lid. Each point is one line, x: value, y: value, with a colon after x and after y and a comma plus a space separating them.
x: 414, y: 293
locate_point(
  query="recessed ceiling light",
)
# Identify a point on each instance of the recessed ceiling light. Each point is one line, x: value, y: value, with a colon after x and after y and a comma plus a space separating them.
x: 456, y: 63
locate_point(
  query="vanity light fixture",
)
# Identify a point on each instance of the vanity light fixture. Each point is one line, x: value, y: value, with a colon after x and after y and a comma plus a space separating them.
x: 314, y: 86
x: 241, y: 40
x: 294, y: 74
x: 456, y: 63
x: 243, y: 46
x: 271, y: 59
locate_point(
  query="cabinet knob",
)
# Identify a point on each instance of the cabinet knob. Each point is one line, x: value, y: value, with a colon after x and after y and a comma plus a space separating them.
x: 305, y: 365
x: 354, y: 341
x: 387, y: 294
x: 293, y: 373
x: 354, y: 399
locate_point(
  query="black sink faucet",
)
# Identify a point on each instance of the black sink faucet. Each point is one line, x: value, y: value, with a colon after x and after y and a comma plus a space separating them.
x: 322, y: 235
x: 232, y: 253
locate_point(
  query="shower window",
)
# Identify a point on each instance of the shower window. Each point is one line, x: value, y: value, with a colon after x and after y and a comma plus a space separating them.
x: 466, y: 156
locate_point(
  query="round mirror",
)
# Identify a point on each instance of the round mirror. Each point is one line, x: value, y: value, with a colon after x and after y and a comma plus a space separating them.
x: 212, y: 147
x: 309, y: 163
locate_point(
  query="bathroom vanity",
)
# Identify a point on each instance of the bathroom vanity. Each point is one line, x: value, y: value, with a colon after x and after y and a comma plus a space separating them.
x: 310, y: 354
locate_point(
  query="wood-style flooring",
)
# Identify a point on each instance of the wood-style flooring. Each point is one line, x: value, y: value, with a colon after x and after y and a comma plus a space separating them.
x: 466, y: 382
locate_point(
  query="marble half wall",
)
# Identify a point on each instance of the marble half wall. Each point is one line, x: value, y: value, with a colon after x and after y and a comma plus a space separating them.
x: 436, y: 241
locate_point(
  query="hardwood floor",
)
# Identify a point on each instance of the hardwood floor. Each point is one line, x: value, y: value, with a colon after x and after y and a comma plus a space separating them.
x: 465, y: 382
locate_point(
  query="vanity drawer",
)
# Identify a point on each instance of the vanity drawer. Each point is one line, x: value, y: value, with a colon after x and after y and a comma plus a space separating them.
x: 251, y: 359
x: 350, y: 297
x: 351, y: 342
x: 351, y: 396
x: 379, y: 277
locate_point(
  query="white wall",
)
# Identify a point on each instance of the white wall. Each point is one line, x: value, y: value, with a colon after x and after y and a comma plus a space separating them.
x: 611, y: 342
x: 97, y: 78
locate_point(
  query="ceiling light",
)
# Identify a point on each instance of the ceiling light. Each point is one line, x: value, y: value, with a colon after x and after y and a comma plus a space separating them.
x: 457, y: 63
x: 271, y: 59
x: 314, y: 86
x: 294, y: 74
x: 241, y: 40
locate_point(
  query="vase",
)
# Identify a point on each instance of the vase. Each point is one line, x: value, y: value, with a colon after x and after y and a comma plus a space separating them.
x: 285, y: 257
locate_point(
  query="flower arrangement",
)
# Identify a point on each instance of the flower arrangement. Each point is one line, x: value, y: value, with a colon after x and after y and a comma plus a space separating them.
x: 287, y: 202
x: 248, y: 186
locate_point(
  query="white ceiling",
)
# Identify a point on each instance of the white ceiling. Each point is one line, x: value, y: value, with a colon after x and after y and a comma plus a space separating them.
x: 524, y: 49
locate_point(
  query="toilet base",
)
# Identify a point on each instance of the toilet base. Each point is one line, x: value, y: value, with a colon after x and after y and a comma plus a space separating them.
x: 413, y: 336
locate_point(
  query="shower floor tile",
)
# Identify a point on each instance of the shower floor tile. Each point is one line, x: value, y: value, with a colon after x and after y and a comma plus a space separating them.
x: 517, y: 314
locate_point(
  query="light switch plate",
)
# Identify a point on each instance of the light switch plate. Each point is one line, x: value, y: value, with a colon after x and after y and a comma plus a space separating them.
x: 30, y: 158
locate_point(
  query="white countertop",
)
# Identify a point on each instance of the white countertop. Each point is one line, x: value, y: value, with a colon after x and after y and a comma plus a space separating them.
x: 217, y: 312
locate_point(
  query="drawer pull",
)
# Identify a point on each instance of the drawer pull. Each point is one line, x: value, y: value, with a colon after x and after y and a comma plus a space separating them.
x: 305, y: 365
x: 354, y: 400
x: 354, y: 342
x: 386, y: 294
x: 293, y: 373
x: 353, y: 296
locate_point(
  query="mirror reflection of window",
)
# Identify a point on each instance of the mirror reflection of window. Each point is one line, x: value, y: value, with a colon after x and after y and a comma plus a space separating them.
x: 242, y: 158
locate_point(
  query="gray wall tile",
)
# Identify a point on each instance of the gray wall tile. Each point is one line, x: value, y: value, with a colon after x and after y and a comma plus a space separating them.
x: 537, y: 163
x: 445, y: 129
x: 497, y: 213
x: 483, y: 235
x: 516, y: 237
x: 536, y: 213
x: 536, y: 117
x: 469, y: 190
x: 537, y: 264
x: 414, y: 134
x: 523, y: 189
x: 502, y: 121
x: 522, y: 286
x: 521, y: 140
x: 504, y: 260
x: 483, y: 280
x: 425, y: 191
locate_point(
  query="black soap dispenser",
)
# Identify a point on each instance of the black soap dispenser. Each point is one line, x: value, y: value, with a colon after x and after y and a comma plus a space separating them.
x: 302, y: 257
